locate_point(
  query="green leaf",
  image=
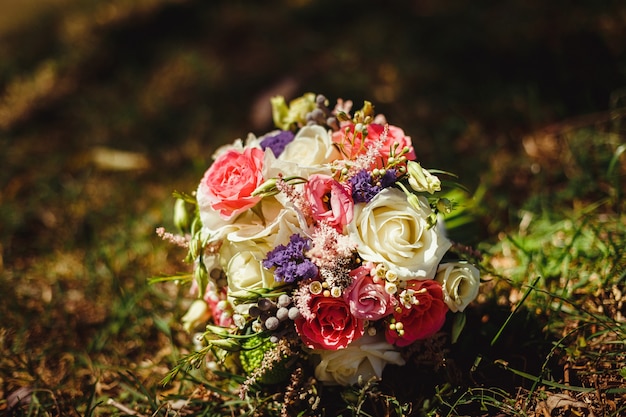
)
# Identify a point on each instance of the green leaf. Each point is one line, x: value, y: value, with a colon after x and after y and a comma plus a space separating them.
x: 457, y: 326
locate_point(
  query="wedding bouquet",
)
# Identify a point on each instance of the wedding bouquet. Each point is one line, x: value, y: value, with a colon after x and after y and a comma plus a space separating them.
x: 319, y: 251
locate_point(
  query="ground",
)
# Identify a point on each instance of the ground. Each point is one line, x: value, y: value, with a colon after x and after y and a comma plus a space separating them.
x: 108, y: 107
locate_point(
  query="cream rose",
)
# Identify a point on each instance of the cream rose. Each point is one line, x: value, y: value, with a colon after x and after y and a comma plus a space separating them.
x: 244, y: 249
x: 242, y: 264
x: 391, y: 231
x: 460, y: 282
x: 366, y: 358
x: 281, y: 223
x: 246, y: 226
x: 310, y: 152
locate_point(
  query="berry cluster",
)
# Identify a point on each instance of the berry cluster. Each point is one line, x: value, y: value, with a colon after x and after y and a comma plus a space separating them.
x: 275, y: 316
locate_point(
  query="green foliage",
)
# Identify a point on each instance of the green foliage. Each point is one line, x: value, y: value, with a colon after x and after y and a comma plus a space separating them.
x: 252, y: 356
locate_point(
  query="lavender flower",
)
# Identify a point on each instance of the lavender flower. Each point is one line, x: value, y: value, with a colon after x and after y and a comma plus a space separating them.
x: 290, y: 262
x: 277, y: 142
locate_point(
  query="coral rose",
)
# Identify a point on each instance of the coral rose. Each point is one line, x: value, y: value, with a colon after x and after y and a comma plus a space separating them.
x: 228, y: 184
x: 353, y: 144
x: 330, y: 324
x: 422, y: 312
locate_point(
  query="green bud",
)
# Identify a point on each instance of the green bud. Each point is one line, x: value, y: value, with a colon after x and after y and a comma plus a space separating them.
x: 432, y: 219
x: 342, y: 116
x: 201, y: 276
x: 182, y: 219
x: 267, y: 189
x: 368, y: 109
x: 414, y: 201
x: 444, y: 206
x: 229, y: 345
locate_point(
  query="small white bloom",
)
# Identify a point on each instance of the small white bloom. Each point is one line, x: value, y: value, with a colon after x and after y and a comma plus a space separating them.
x: 407, y: 298
x: 391, y: 276
x: 391, y: 288
x: 460, y: 282
x: 421, y: 180
x: 197, y: 314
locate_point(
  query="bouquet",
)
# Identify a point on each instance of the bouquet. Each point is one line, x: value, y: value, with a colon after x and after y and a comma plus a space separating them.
x: 319, y: 253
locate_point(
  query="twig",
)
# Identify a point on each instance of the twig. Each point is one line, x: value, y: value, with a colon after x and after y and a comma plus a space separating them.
x: 123, y: 408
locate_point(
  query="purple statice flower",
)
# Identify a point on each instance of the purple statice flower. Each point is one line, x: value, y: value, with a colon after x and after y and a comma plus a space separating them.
x: 362, y: 188
x: 277, y: 142
x: 290, y: 262
x: 389, y: 178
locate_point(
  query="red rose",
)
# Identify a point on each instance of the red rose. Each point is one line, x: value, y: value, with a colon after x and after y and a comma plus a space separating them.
x: 330, y: 325
x: 228, y: 184
x: 420, y: 314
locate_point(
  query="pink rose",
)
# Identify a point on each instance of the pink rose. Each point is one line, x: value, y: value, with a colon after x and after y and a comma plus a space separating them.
x: 421, y: 313
x: 353, y: 144
x: 228, y: 184
x: 367, y: 299
x: 330, y: 325
x: 329, y: 200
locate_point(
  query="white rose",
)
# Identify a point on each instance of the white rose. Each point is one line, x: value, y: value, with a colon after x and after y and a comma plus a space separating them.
x: 282, y: 222
x: 310, y: 152
x: 391, y: 231
x: 215, y: 228
x: 366, y: 357
x: 460, y: 282
x: 242, y: 263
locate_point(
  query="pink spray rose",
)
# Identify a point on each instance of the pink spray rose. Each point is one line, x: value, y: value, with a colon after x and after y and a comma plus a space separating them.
x: 367, y: 299
x: 421, y: 313
x: 331, y: 325
x: 228, y: 184
x: 329, y: 200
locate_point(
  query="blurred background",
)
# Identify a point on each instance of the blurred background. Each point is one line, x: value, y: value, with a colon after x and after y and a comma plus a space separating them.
x: 106, y: 107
